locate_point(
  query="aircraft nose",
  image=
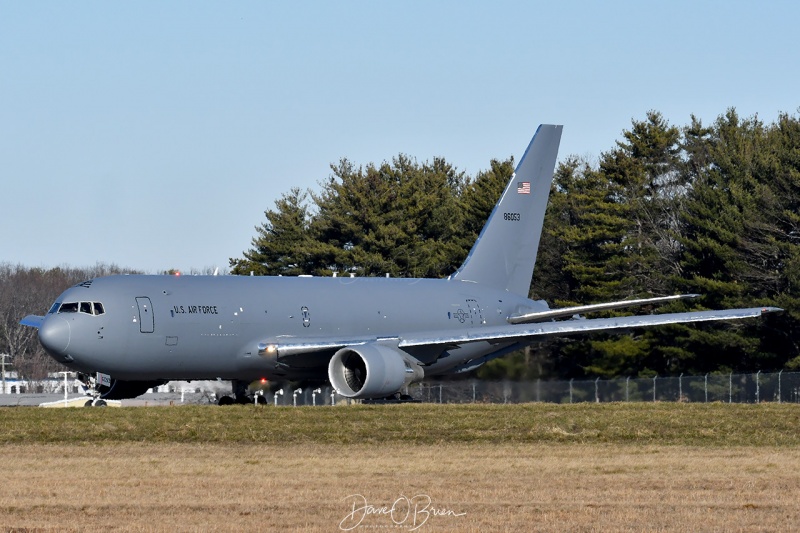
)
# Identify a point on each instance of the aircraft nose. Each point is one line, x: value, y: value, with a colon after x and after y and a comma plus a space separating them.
x: 54, y: 334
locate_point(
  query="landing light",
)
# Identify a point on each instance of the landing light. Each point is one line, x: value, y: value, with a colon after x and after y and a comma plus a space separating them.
x: 265, y: 349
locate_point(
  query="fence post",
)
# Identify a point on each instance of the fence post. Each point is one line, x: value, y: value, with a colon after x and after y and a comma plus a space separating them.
x: 779, y: 385
x: 570, y: 390
x: 730, y: 387
x: 473, y: 392
x: 654, y: 387
x: 596, y: 394
x: 705, y: 387
x: 627, y: 385
x: 680, y: 387
x: 538, y: 389
x: 757, y: 386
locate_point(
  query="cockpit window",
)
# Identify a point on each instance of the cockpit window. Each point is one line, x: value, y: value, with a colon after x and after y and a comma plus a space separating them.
x: 68, y: 307
x: 89, y: 308
x: 54, y: 308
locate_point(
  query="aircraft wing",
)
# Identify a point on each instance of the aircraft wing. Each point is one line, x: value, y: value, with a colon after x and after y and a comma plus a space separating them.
x: 517, y: 333
x: 289, y: 346
x: 541, y: 316
x: 295, y: 349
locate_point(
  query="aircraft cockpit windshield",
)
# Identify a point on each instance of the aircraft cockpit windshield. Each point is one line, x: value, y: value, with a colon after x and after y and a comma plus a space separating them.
x: 88, y: 308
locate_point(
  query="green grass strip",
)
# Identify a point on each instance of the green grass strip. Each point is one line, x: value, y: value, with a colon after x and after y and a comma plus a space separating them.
x: 714, y: 424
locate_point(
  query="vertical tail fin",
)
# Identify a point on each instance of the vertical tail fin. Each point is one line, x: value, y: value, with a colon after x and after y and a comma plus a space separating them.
x: 505, y: 252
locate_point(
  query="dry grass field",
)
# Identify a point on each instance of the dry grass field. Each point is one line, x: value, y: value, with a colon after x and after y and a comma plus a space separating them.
x: 563, y: 475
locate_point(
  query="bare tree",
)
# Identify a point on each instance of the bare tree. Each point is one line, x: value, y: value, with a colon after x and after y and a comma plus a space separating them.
x: 25, y: 291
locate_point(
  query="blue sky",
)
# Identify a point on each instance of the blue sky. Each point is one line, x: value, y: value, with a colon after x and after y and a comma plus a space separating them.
x: 154, y: 135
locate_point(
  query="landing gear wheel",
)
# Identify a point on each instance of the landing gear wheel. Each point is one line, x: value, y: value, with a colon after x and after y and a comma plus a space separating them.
x: 225, y: 400
x: 260, y: 400
x: 100, y: 403
x: 88, y: 403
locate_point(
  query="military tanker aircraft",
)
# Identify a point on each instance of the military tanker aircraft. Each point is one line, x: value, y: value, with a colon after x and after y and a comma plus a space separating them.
x: 369, y: 337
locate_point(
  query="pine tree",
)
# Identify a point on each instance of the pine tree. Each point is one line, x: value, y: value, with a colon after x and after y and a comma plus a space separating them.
x: 282, y: 242
x: 400, y: 219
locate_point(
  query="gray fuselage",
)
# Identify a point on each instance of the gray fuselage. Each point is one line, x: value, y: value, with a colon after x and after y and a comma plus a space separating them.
x: 201, y: 327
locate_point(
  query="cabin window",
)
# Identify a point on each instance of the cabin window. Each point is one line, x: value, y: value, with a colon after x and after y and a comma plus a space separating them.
x: 89, y: 308
x: 68, y: 307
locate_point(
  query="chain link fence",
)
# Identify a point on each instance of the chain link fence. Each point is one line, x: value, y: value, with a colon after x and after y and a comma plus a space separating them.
x: 734, y: 388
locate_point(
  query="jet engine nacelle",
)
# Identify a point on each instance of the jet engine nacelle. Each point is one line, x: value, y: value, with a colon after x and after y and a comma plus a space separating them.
x: 372, y: 371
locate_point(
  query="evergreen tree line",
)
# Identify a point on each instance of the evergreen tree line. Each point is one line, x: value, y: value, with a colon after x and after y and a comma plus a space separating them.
x: 700, y: 209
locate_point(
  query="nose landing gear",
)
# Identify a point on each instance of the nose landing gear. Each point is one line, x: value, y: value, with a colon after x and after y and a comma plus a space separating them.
x: 102, y: 387
x: 90, y: 384
x: 95, y: 402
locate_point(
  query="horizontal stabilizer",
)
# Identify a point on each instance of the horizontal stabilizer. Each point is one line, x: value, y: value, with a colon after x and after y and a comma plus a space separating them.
x: 541, y: 316
x: 33, y: 321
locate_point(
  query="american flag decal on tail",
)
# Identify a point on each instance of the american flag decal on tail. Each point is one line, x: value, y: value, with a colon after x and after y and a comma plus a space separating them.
x: 524, y: 187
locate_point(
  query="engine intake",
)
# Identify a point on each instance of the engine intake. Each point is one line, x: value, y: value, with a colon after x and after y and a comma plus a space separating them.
x: 372, y: 371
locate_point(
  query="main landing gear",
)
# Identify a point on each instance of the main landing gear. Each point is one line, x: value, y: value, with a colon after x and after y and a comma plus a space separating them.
x: 241, y: 396
x: 394, y: 398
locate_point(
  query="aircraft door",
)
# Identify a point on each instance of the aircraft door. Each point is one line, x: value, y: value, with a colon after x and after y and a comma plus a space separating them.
x: 146, y: 319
